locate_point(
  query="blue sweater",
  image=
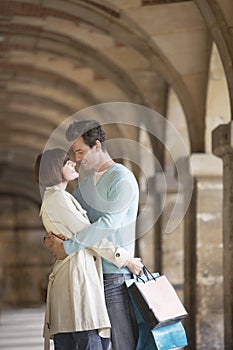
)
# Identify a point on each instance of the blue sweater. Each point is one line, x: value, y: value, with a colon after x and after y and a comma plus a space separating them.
x: 112, y: 206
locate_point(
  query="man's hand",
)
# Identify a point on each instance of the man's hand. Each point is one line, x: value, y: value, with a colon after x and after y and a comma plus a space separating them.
x: 55, y: 246
x: 135, y: 265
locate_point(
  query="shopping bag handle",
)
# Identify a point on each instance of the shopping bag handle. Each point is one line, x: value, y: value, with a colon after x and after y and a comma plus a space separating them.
x: 147, y: 273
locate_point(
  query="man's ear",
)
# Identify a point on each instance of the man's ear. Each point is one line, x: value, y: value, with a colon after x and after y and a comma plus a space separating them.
x: 98, y: 145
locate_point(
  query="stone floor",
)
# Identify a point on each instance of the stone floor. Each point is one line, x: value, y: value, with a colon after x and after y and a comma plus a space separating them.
x: 21, y: 329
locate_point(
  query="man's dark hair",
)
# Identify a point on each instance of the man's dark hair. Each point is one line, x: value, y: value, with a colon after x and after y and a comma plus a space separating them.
x: 90, y: 130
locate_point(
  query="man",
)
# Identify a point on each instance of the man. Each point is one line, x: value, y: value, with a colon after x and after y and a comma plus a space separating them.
x: 109, y: 194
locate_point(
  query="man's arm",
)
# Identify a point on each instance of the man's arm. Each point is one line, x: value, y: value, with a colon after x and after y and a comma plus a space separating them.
x: 68, y: 220
x: 55, y: 245
x: 121, y: 195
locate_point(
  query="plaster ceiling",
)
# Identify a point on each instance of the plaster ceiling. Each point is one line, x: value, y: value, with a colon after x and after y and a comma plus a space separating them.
x: 57, y: 57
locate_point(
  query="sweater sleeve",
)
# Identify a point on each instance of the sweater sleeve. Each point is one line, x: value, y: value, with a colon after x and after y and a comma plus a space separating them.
x: 68, y: 220
x: 121, y: 193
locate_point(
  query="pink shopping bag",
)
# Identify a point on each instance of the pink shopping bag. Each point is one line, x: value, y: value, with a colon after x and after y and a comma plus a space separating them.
x: 157, y: 301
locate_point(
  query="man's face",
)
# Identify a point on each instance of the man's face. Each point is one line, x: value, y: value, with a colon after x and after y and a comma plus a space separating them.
x: 84, y: 155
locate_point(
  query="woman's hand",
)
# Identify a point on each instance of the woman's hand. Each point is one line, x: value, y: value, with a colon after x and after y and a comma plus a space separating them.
x: 134, y: 265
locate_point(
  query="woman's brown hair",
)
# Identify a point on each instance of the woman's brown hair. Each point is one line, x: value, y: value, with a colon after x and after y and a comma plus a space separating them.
x: 48, y: 167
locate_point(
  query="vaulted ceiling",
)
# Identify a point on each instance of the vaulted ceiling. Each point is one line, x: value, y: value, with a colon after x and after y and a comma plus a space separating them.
x: 60, y: 56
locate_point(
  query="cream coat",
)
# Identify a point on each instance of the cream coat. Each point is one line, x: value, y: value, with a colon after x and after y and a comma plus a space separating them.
x: 75, y: 297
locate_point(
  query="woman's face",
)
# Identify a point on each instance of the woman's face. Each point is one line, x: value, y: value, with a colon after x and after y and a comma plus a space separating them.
x: 69, y: 172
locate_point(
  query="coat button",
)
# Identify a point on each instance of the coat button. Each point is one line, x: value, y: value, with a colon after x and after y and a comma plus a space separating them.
x: 118, y: 255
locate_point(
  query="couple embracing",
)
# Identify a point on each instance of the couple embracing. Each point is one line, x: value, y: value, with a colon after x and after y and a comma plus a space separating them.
x: 92, y: 235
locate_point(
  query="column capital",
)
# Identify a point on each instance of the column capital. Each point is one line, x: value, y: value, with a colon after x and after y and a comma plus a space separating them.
x: 222, y: 140
x: 204, y: 165
x: 200, y: 165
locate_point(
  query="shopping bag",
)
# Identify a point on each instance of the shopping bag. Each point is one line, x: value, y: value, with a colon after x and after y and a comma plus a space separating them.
x: 146, y: 340
x: 172, y: 336
x: 163, y: 338
x: 156, y: 300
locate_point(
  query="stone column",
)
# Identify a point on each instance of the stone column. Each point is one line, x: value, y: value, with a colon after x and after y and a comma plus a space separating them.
x: 222, y: 146
x: 203, y: 256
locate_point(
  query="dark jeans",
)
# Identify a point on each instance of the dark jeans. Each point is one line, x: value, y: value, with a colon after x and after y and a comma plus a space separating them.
x: 120, y: 311
x: 85, y: 340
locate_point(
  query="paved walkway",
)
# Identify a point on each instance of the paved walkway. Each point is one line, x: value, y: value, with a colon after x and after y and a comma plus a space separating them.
x: 22, y: 329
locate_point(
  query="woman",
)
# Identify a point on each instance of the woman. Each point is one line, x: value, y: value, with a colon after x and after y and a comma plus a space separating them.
x: 75, y: 298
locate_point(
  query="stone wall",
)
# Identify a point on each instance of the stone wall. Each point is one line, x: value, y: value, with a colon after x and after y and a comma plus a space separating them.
x: 24, y: 262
